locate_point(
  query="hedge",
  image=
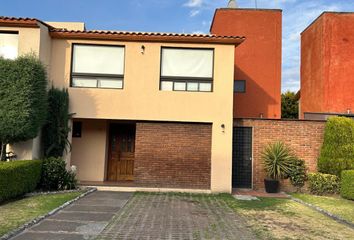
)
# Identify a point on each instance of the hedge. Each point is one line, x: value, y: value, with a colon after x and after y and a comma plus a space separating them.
x: 19, y: 177
x: 347, y: 184
x: 337, y: 152
x: 320, y: 183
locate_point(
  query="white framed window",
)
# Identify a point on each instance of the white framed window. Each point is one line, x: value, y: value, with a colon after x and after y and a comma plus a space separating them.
x: 9, y: 45
x: 187, y: 69
x: 97, y: 66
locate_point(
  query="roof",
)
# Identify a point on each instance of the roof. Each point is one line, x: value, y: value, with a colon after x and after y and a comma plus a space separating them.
x: 22, y: 22
x: 147, y: 36
x: 122, y: 35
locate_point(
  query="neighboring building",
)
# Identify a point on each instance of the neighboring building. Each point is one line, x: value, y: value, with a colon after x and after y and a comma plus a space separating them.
x: 257, y: 61
x: 327, y: 67
x: 155, y: 108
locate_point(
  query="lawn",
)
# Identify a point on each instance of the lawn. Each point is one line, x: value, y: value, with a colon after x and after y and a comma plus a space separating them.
x: 15, y: 213
x: 285, y: 219
x: 342, y: 207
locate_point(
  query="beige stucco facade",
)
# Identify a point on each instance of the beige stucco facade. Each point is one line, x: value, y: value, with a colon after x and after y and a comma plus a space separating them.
x: 139, y: 100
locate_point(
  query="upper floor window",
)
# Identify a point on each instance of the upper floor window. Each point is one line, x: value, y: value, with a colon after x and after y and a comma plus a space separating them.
x: 97, y: 66
x: 9, y: 45
x: 239, y: 86
x: 186, y: 69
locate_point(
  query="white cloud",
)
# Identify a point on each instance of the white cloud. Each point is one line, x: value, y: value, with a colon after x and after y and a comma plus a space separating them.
x: 193, y: 3
x: 199, y: 32
x: 194, y: 13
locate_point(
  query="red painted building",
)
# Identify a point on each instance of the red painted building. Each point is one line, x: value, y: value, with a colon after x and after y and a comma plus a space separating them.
x: 327, y: 66
x: 257, y: 61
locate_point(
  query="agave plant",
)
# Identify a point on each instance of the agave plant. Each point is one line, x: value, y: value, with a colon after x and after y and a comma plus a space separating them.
x: 278, y: 160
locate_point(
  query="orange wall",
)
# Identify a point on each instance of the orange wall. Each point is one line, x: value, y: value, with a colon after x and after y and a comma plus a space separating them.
x: 257, y: 59
x: 312, y: 84
x: 327, y: 64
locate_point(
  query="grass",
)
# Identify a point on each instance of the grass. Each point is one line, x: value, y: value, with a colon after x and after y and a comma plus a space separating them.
x: 272, y: 218
x: 341, y: 207
x: 15, y: 213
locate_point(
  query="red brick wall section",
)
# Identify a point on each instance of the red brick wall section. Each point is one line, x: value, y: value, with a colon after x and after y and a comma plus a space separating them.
x: 173, y: 155
x: 304, y: 138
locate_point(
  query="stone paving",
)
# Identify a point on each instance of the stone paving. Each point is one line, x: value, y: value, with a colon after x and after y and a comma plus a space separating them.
x: 84, y: 219
x: 176, y: 216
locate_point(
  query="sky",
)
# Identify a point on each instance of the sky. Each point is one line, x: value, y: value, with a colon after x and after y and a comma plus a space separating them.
x: 188, y: 16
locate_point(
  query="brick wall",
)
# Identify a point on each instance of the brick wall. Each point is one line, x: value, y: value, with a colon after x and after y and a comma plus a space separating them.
x: 304, y: 137
x: 176, y: 155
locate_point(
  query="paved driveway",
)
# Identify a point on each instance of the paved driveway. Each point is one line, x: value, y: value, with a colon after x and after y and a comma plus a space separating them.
x: 151, y: 216
x: 176, y: 216
x: 84, y: 219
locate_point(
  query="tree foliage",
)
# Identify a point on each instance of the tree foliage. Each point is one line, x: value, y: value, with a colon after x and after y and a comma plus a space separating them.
x: 56, y: 130
x: 289, y: 105
x: 337, y: 152
x: 23, y: 98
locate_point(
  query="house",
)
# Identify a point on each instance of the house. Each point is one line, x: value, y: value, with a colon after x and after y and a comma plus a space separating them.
x: 327, y: 66
x: 257, y: 74
x: 182, y: 112
x: 156, y: 108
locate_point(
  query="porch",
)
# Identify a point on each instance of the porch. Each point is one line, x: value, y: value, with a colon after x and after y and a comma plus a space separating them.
x: 142, y: 154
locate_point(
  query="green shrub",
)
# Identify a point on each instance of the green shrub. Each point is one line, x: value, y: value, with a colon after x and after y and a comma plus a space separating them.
x: 297, y: 173
x: 337, y: 152
x: 321, y: 183
x: 347, y: 184
x: 55, y: 131
x: 55, y: 176
x: 19, y: 177
x: 23, y: 99
x: 70, y: 181
x: 277, y: 160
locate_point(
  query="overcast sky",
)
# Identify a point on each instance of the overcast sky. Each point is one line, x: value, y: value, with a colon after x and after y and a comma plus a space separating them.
x: 192, y: 16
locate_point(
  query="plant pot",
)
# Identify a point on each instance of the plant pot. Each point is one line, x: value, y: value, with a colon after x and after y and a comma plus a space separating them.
x: 271, y: 185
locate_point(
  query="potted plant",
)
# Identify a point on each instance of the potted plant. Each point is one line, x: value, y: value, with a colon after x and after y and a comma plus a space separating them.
x: 277, y: 160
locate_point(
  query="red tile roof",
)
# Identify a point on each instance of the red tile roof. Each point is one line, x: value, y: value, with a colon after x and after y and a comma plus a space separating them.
x: 147, y: 36
x: 21, y: 22
x: 122, y: 35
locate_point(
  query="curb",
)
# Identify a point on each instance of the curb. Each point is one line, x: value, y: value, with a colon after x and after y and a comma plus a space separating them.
x: 40, y: 218
x: 32, y: 194
x: 324, y: 212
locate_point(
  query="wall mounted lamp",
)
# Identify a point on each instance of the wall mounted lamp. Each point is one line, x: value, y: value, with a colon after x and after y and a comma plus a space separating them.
x: 142, y: 49
x: 223, y: 127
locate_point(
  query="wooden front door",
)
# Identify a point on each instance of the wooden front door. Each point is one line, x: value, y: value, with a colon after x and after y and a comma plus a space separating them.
x: 121, y: 152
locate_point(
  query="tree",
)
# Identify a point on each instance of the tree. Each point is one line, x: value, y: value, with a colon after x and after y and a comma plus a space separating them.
x: 23, y: 99
x: 56, y: 130
x: 337, y: 151
x: 289, y: 105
